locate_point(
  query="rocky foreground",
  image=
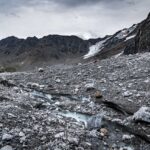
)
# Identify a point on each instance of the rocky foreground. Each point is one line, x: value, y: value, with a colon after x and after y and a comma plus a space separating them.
x: 103, y: 105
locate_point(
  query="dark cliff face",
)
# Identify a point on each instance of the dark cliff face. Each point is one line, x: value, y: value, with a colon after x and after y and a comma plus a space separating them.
x: 64, y: 44
x: 59, y: 43
x: 141, y: 42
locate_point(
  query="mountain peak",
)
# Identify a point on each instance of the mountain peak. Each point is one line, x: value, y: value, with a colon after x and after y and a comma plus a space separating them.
x: 141, y: 42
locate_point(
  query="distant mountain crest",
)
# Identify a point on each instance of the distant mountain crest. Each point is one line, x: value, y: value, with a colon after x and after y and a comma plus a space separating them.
x: 70, y: 49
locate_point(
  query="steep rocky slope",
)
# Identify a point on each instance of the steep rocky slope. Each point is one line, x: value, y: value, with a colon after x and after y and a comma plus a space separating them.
x: 116, y: 43
x: 128, y: 41
x: 141, y: 42
x: 99, y: 105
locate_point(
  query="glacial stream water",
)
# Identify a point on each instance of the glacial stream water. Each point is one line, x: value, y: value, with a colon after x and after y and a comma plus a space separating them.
x: 89, y: 121
x: 41, y: 95
x: 79, y: 117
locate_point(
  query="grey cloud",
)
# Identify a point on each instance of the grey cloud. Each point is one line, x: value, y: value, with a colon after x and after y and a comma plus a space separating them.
x: 9, y: 6
x: 84, y: 17
x: 77, y: 2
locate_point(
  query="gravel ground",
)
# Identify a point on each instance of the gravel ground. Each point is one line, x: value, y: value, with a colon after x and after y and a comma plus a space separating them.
x: 102, y: 105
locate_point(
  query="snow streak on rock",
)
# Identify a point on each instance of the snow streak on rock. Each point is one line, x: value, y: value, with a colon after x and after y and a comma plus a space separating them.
x: 125, y: 32
x: 130, y: 37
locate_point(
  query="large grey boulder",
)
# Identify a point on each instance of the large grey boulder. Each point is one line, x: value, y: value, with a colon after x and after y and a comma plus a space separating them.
x: 143, y: 114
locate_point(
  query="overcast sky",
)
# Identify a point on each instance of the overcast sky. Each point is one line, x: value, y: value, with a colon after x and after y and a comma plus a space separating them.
x: 85, y: 18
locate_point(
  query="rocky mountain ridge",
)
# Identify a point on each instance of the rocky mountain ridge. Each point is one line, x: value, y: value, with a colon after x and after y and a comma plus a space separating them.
x: 141, y: 42
x: 49, y: 49
x: 57, y: 49
x: 131, y: 40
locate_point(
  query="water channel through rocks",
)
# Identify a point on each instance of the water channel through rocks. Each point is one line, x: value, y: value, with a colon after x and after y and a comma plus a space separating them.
x: 80, y: 117
x: 89, y: 121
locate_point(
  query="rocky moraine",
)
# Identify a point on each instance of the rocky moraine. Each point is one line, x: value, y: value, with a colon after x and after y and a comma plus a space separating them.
x: 103, y: 105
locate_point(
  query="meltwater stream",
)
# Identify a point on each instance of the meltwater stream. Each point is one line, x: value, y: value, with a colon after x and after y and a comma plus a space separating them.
x: 75, y: 115
x: 88, y: 120
x: 41, y: 95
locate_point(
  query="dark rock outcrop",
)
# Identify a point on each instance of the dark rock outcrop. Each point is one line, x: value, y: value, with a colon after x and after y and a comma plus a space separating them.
x: 141, y: 42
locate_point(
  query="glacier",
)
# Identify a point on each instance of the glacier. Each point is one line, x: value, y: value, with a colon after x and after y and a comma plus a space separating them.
x: 94, y: 49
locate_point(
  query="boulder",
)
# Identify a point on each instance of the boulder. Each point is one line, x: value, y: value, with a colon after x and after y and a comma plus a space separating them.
x: 98, y: 94
x: 7, y: 147
x: 143, y: 114
x: 6, y: 137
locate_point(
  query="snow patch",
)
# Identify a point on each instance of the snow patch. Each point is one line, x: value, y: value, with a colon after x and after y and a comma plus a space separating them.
x: 130, y: 37
x: 94, y: 49
x: 122, y: 34
x: 125, y: 32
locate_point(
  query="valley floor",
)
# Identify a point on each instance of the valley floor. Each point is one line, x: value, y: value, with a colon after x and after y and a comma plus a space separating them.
x: 103, y: 105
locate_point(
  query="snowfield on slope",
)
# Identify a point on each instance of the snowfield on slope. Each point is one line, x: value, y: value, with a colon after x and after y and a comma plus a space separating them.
x: 94, y: 49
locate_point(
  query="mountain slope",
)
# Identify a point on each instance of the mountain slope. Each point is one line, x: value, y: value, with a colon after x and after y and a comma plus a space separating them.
x: 47, y: 49
x: 113, y: 45
x: 55, y: 49
x: 141, y: 42
x: 128, y: 41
